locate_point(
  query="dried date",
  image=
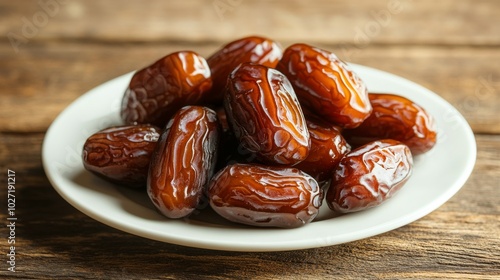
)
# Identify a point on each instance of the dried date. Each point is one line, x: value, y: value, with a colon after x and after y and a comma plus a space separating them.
x: 326, y: 85
x: 369, y: 175
x: 156, y: 92
x: 121, y: 154
x: 265, y: 115
x: 265, y: 196
x: 232, y: 151
x: 183, y: 161
x: 253, y: 49
x: 398, y: 118
x: 328, y: 147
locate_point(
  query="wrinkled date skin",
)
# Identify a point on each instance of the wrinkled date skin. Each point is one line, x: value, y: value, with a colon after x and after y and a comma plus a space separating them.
x: 369, y: 175
x: 156, y: 92
x: 121, y: 154
x: 232, y: 150
x: 326, y: 85
x: 265, y: 115
x: 265, y: 196
x: 398, y: 118
x: 328, y: 147
x: 183, y: 161
x: 253, y: 49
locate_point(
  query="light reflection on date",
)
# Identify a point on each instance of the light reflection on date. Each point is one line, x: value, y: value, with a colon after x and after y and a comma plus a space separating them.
x: 254, y: 49
x: 265, y: 196
x: 369, y: 175
x: 265, y: 115
x: 121, y: 154
x: 326, y: 85
x: 328, y: 147
x: 396, y: 117
x: 183, y: 161
x: 282, y: 134
x: 156, y: 92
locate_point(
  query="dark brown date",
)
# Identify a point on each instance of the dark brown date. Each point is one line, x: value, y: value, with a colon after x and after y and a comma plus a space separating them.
x: 328, y: 147
x: 183, y: 161
x: 265, y: 115
x: 396, y: 117
x: 232, y: 150
x: 326, y: 85
x: 265, y: 196
x: 121, y: 154
x: 254, y: 49
x: 156, y: 92
x: 369, y: 175
x: 222, y: 118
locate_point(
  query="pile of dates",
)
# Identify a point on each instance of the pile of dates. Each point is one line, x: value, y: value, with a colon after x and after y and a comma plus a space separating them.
x: 265, y: 134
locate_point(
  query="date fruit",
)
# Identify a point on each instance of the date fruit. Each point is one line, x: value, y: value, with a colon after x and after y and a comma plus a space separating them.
x: 254, y: 49
x: 156, y: 92
x: 265, y: 114
x: 265, y: 196
x: 326, y: 85
x: 232, y: 151
x: 398, y: 118
x: 183, y: 161
x: 328, y: 147
x: 369, y: 175
x: 121, y: 154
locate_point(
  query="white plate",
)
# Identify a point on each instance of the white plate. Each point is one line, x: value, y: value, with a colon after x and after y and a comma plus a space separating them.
x: 437, y: 176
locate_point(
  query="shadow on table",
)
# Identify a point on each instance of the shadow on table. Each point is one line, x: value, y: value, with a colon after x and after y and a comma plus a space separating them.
x: 60, y: 237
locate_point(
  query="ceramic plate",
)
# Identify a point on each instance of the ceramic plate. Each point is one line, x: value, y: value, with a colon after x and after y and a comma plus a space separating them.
x: 437, y: 176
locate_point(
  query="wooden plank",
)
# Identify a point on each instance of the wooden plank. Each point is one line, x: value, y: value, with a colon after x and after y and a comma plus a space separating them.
x: 467, y: 77
x: 460, y: 240
x: 320, y: 21
x: 53, y: 54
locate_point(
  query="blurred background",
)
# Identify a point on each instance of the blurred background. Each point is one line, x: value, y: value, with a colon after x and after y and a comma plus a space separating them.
x: 55, y: 50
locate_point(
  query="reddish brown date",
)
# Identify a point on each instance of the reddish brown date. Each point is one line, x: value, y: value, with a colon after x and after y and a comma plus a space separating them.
x: 328, y: 147
x: 254, y: 49
x: 369, y: 175
x: 121, y: 154
x: 265, y: 115
x: 156, y: 92
x: 326, y: 85
x: 396, y: 117
x: 183, y: 161
x: 265, y: 196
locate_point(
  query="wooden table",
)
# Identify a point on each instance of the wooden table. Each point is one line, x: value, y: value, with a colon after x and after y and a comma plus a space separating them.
x: 54, y: 51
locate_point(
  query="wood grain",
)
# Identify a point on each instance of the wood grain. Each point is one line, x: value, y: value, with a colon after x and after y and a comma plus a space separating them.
x: 377, y: 22
x: 460, y: 240
x: 51, y: 55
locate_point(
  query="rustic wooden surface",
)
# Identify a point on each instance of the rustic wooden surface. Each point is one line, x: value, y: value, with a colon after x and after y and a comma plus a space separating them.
x: 450, y: 47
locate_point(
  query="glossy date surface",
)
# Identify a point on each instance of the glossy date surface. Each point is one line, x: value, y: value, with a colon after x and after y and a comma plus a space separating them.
x: 265, y: 115
x: 369, y: 175
x: 326, y: 85
x: 328, y: 147
x: 121, y: 154
x: 156, y: 92
x: 396, y: 117
x: 258, y: 50
x: 183, y: 161
x: 231, y: 151
x: 265, y: 196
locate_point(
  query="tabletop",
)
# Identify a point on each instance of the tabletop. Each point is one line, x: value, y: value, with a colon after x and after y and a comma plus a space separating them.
x: 53, y: 51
